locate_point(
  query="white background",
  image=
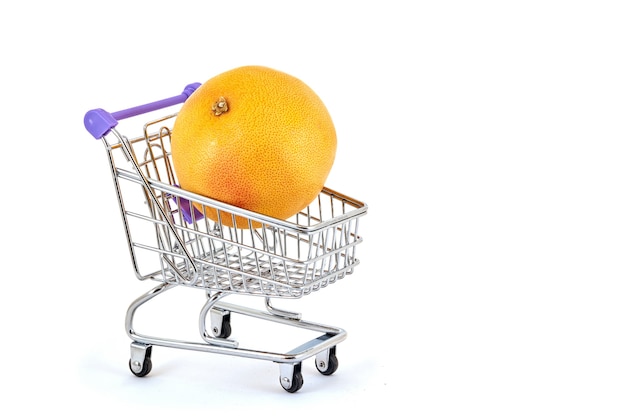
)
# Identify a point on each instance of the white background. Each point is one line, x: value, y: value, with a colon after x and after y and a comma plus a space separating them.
x: 486, y: 137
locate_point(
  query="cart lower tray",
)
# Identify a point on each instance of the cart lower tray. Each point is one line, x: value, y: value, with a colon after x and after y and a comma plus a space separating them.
x: 215, y: 338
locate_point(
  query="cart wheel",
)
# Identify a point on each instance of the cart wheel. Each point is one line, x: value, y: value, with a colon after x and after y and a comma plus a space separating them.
x: 327, y: 362
x: 224, y: 331
x: 220, y: 320
x: 140, y: 363
x: 291, y: 377
x: 146, y: 367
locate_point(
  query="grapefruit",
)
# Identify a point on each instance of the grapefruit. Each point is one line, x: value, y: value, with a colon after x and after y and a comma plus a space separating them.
x: 256, y: 138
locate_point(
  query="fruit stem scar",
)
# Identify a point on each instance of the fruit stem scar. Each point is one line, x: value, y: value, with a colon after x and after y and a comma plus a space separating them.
x: 220, y: 106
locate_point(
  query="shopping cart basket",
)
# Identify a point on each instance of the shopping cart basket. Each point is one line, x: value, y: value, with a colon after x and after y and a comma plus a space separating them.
x: 173, y: 242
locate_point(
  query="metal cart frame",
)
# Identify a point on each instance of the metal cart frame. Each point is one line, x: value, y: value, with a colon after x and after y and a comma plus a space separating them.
x: 172, y: 240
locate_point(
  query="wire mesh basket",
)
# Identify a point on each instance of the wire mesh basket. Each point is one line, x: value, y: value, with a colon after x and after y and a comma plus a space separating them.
x: 256, y: 255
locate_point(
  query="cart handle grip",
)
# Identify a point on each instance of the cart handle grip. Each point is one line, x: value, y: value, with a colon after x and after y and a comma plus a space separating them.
x: 99, y: 122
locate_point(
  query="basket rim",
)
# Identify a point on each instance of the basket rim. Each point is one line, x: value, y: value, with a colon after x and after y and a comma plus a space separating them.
x: 359, y: 207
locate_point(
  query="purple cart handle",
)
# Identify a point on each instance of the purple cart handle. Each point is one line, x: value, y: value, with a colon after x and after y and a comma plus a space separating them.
x: 99, y: 122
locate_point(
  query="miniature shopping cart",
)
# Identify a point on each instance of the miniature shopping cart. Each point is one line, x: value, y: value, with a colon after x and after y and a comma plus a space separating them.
x: 173, y: 241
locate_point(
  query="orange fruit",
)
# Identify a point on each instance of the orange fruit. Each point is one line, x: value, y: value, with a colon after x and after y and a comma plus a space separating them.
x: 255, y: 138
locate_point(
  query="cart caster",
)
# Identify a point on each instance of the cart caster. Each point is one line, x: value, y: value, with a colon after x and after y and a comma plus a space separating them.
x: 291, y: 376
x: 326, y: 362
x: 220, y: 323
x: 140, y: 363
